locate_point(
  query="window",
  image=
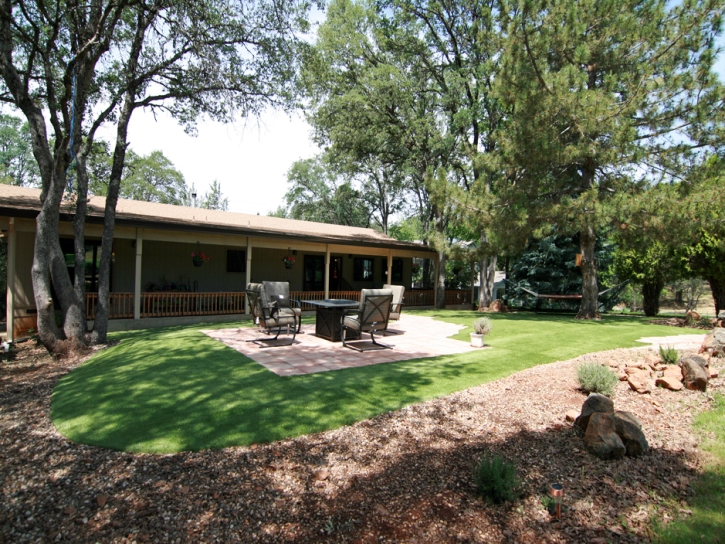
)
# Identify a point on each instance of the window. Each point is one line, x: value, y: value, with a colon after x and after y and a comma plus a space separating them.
x: 236, y: 260
x: 93, y: 261
x: 314, y: 273
x: 397, y: 270
x: 363, y: 270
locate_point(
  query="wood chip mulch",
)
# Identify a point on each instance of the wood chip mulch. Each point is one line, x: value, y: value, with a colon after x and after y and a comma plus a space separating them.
x: 405, y: 476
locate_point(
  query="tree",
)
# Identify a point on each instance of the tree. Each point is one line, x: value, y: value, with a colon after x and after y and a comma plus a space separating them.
x: 213, y: 199
x: 317, y: 193
x: 151, y: 178
x: 72, y: 67
x: 651, y: 267
x: 605, y: 96
x: 17, y: 166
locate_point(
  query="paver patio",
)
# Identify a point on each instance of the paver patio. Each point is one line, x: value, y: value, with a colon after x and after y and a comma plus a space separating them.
x: 420, y: 337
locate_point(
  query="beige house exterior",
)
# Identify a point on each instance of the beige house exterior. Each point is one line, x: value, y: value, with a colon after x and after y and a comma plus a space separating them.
x: 154, y: 281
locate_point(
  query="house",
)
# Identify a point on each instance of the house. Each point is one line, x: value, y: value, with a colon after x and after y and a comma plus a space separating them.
x: 155, y: 282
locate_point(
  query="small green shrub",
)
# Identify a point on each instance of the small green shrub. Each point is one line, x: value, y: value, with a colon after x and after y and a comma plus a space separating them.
x: 595, y: 378
x: 669, y: 355
x: 496, y: 479
x: 482, y: 325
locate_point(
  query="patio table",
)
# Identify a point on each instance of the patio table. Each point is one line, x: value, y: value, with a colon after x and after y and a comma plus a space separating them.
x: 329, y: 316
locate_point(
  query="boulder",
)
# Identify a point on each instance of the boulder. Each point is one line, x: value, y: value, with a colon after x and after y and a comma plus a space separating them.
x: 669, y: 383
x: 629, y: 429
x: 714, y: 341
x: 601, y: 437
x: 694, y: 371
x: 672, y: 371
x: 640, y: 382
x: 594, y: 403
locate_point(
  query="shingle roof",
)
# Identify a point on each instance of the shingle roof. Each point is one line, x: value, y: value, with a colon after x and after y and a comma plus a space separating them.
x: 153, y: 214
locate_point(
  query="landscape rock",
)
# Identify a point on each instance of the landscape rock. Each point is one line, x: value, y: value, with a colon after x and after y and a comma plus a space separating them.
x: 601, y: 437
x: 640, y: 382
x: 672, y: 371
x: 712, y: 373
x: 571, y: 415
x: 594, y: 403
x: 694, y: 371
x: 629, y: 429
x: 498, y: 306
x: 714, y: 341
x: 669, y: 382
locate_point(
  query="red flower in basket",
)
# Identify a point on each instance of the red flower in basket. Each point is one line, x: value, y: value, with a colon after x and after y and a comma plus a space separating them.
x: 199, y: 258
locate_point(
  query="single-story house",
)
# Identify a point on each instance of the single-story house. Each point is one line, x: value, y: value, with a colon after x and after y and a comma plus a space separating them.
x: 155, y: 281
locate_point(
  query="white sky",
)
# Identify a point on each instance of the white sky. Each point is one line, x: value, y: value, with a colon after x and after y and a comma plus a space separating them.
x: 250, y: 159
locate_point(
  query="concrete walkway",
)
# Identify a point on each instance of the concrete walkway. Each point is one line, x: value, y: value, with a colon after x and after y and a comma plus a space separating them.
x: 683, y: 341
x: 420, y: 337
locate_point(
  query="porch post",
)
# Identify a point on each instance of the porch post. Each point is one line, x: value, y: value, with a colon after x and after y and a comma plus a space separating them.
x: 435, y: 283
x: 248, y: 276
x: 10, y: 299
x: 390, y: 267
x: 327, y: 271
x: 137, y: 277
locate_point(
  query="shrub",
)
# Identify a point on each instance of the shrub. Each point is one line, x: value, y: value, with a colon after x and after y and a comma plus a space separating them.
x: 669, y: 355
x: 496, y: 479
x: 482, y: 325
x: 595, y: 378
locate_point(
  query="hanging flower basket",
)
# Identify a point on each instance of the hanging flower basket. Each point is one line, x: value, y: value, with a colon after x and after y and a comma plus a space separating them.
x: 198, y: 258
x: 289, y: 261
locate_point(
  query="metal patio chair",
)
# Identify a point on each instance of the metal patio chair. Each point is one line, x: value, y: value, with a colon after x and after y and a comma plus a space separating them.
x: 271, y: 315
x: 371, y: 316
x: 396, y: 306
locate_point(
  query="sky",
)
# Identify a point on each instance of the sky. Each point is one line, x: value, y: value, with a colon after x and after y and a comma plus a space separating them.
x: 250, y: 158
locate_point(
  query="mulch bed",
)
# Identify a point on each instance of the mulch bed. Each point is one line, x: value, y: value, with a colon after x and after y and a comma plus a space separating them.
x: 405, y: 476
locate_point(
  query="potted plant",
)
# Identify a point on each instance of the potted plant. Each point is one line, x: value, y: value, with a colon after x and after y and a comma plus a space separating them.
x: 482, y: 326
x: 288, y: 261
x: 199, y: 258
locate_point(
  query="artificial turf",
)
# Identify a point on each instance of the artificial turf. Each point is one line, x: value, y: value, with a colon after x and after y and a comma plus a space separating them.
x: 176, y: 389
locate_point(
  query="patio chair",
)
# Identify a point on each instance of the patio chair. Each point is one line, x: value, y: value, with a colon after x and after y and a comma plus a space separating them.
x: 271, y: 315
x: 278, y: 291
x: 371, y: 317
x: 397, y: 305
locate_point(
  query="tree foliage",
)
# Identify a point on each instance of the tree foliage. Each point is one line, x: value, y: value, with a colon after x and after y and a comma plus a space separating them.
x: 17, y: 165
x: 70, y: 68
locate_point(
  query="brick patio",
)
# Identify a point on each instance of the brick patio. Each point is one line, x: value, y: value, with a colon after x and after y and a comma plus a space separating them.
x: 420, y: 337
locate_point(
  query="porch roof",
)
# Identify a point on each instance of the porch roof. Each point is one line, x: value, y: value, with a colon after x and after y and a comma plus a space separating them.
x: 25, y: 202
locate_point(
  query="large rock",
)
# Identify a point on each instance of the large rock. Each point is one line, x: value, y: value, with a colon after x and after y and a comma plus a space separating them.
x: 669, y: 383
x: 694, y: 371
x: 601, y: 437
x: 629, y: 429
x: 640, y: 381
x: 594, y: 403
x: 715, y: 341
x: 672, y: 371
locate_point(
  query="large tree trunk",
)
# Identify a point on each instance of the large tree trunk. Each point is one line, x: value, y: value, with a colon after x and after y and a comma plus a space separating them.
x: 440, y: 302
x: 651, y: 291
x: 486, y: 277
x: 717, y: 285
x: 589, y: 308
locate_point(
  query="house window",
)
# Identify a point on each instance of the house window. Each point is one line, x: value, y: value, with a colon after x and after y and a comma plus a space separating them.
x: 93, y: 262
x: 397, y: 270
x: 314, y: 273
x: 236, y: 260
x: 363, y: 270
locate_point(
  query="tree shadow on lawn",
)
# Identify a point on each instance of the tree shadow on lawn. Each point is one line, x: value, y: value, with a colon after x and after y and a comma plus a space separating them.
x: 197, y: 394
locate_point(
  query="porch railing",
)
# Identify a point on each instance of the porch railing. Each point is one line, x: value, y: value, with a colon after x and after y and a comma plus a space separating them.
x: 174, y: 304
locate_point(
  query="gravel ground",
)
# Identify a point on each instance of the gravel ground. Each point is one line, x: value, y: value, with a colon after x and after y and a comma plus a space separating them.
x: 405, y: 476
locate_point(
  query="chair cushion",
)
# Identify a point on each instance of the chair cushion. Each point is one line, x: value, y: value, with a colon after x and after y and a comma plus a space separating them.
x: 351, y: 322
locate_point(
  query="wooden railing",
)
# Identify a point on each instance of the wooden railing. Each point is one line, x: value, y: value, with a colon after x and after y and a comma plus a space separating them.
x: 120, y: 305
x: 172, y: 303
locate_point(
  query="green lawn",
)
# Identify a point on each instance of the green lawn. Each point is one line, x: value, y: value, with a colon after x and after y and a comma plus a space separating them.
x: 707, y: 522
x: 175, y: 389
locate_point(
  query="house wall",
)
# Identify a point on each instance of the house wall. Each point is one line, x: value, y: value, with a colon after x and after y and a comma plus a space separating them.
x: 24, y: 315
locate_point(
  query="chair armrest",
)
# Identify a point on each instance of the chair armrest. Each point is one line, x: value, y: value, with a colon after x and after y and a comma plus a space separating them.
x: 294, y: 302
